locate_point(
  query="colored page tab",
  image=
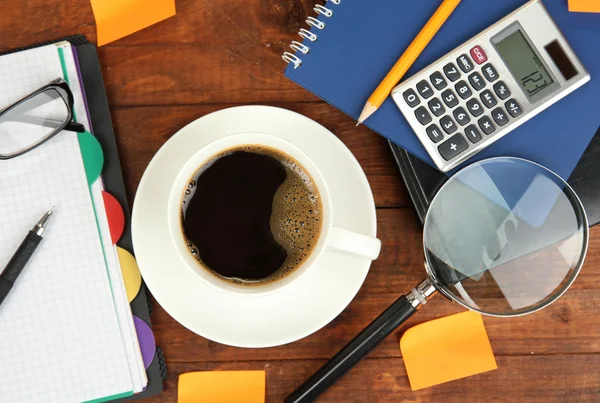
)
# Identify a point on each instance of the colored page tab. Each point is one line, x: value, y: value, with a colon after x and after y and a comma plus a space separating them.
x: 222, y: 387
x: 116, y: 19
x: 446, y: 349
x: 93, y: 157
x: 585, y: 6
x: 131, y: 273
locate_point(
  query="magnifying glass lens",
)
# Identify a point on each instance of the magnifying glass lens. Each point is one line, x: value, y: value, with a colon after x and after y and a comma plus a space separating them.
x: 505, y: 237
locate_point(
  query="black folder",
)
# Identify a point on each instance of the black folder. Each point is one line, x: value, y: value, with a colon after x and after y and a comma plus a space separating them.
x: 112, y: 176
x: 423, y: 181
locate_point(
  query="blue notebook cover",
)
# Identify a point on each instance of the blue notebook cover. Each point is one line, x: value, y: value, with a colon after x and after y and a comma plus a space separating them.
x: 362, y: 40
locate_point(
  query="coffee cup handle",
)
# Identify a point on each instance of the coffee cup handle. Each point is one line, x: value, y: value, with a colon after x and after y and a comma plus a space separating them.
x: 347, y: 241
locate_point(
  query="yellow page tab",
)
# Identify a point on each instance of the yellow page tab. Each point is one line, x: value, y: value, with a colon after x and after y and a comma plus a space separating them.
x: 116, y: 19
x: 222, y: 387
x: 446, y: 349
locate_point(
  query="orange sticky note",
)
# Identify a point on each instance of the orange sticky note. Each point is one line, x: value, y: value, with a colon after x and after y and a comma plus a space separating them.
x: 585, y: 6
x: 446, y: 349
x: 222, y: 387
x: 118, y: 18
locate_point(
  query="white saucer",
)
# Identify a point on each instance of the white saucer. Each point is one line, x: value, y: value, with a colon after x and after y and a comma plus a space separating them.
x: 253, y: 321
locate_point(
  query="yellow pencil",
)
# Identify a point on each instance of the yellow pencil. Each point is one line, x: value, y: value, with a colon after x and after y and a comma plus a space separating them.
x: 408, y: 58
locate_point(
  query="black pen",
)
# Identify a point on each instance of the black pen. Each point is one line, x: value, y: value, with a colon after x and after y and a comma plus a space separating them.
x: 22, y: 256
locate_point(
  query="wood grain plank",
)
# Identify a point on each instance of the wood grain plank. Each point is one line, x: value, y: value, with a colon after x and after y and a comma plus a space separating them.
x: 275, y: 22
x: 567, y: 326
x: 210, y: 52
x: 564, y: 378
x: 141, y: 131
x: 564, y: 327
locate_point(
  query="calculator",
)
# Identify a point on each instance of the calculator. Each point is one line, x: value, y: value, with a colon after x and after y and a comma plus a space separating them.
x: 490, y: 85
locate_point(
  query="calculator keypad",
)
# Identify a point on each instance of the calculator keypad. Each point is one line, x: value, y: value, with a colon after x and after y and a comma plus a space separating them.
x: 500, y: 117
x: 459, y: 109
x: 438, y: 80
x: 434, y: 133
x: 477, y: 81
x: 448, y: 124
x: 474, y: 107
x: 422, y: 115
x: 461, y: 116
x: 463, y: 90
x: 464, y: 63
x: 486, y: 125
x: 449, y: 98
x: 452, y: 147
x: 472, y: 134
x: 490, y: 72
x: 411, y: 97
x: 513, y: 108
x: 436, y: 107
x: 451, y: 72
x: 501, y: 90
x: 488, y: 99
x: 425, y: 89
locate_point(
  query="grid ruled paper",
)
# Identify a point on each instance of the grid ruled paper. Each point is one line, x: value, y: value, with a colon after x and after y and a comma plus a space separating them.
x: 59, y: 334
x: 123, y: 308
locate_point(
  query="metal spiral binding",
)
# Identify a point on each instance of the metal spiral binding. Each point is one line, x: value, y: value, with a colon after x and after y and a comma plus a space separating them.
x: 296, y: 46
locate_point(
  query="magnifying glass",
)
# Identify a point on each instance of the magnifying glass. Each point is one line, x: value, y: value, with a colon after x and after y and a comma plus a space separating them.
x: 503, y: 237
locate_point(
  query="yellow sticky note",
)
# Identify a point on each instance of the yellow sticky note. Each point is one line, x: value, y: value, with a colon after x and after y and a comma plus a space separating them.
x: 222, y: 387
x: 131, y: 273
x: 118, y: 18
x: 446, y: 349
x: 585, y: 6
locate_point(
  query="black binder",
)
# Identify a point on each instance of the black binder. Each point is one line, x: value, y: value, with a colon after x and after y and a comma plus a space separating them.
x: 423, y: 181
x: 113, y: 182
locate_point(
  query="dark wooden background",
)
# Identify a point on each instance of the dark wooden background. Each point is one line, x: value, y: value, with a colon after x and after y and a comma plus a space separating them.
x: 216, y: 54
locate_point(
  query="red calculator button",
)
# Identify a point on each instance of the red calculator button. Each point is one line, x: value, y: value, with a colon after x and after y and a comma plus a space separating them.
x: 478, y: 55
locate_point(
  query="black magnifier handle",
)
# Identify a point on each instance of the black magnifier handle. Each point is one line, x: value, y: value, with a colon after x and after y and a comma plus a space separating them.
x: 402, y: 309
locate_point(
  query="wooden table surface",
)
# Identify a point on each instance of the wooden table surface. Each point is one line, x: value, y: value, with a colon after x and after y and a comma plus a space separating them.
x: 217, y: 54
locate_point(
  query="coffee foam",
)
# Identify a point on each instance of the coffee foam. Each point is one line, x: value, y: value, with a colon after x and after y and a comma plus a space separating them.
x: 296, y: 218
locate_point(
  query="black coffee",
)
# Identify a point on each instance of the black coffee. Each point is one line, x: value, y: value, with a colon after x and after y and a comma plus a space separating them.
x: 251, y: 214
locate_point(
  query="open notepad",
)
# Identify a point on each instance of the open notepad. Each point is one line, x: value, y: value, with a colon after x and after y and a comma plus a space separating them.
x: 66, y: 330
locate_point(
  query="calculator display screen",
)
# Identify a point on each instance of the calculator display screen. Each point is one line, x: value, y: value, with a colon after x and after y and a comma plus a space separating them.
x: 524, y: 63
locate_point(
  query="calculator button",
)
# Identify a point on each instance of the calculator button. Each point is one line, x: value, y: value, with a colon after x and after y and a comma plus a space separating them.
x: 448, y: 124
x: 461, y: 116
x: 436, y: 107
x: 451, y: 72
x: 438, y: 80
x: 474, y: 107
x: 411, y: 98
x: 449, y: 98
x: 501, y: 90
x: 500, y: 116
x: 513, y: 108
x: 488, y: 99
x: 489, y: 72
x: 478, y: 55
x: 477, y: 81
x: 463, y: 89
x: 424, y: 89
x: 452, y: 147
x: 485, y: 123
x: 434, y: 133
x: 422, y: 115
x: 472, y: 133
x: 464, y: 63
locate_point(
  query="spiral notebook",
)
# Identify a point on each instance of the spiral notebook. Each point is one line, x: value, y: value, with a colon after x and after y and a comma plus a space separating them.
x: 66, y: 331
x: 349, y: 46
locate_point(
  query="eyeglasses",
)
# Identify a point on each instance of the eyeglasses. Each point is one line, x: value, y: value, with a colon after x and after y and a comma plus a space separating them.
x: 36, y: 118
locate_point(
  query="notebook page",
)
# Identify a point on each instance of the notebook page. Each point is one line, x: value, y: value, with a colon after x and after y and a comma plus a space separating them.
x: 59, y: 334
x: 123, y: 308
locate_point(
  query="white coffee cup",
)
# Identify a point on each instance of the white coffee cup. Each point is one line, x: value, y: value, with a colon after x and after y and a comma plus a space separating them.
x: 331, y: 237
